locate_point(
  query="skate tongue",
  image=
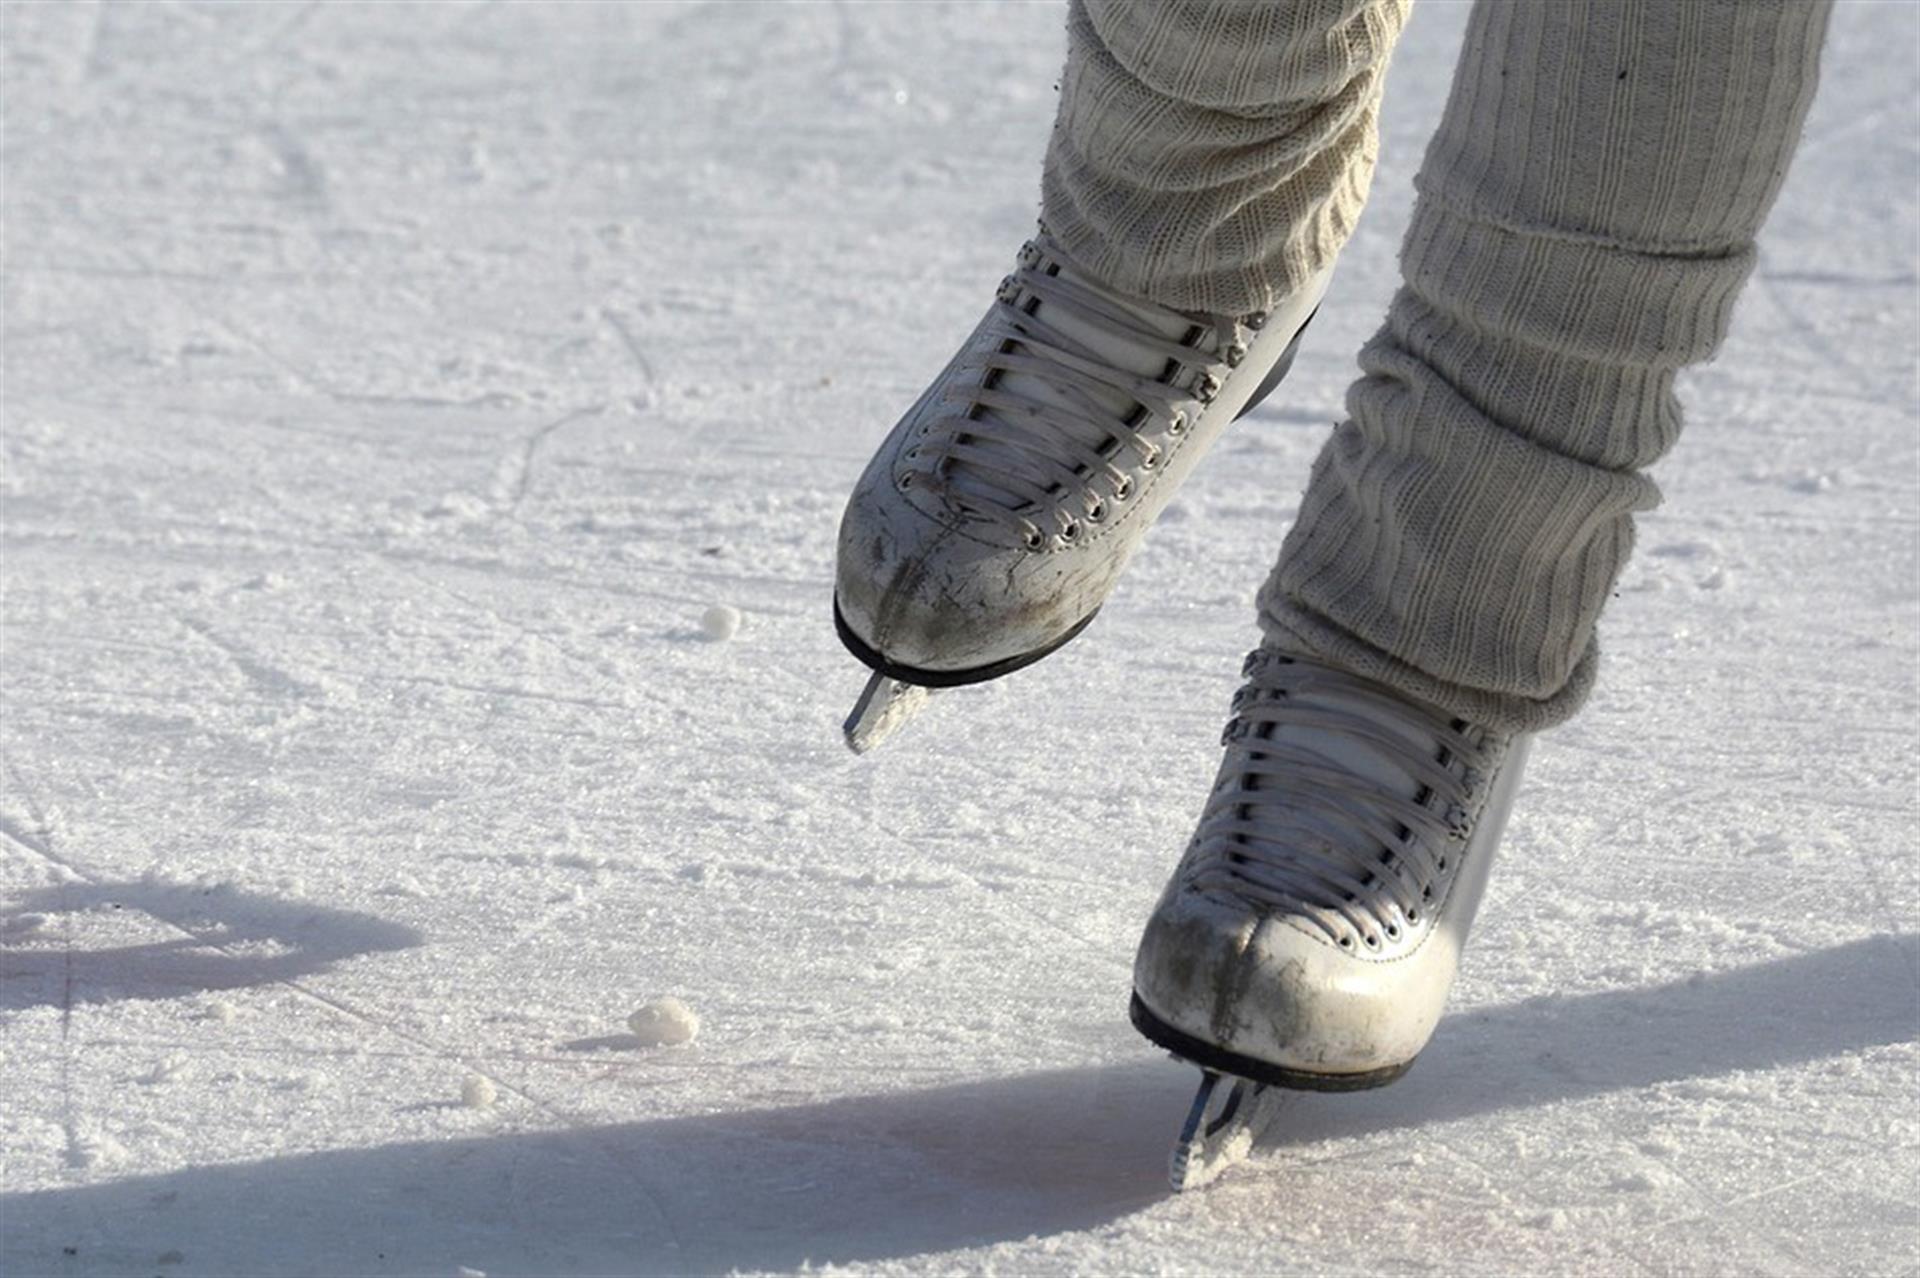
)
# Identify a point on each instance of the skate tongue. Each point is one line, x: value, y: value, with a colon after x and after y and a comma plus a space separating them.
x: 1362, y: 758
x: 1116, y: 347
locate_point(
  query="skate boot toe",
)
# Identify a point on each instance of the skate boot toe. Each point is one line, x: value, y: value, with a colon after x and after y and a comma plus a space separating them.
x: 1312, y: 930
x: 1275, y: 1001
x: 927, y: 600
x: 1000, y: 512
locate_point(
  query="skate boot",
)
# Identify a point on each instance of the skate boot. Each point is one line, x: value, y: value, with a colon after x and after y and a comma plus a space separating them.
x: 997, y: 517
x: 1310, y: 934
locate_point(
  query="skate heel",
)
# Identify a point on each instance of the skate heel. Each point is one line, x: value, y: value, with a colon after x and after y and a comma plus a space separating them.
x: 1278, y: 372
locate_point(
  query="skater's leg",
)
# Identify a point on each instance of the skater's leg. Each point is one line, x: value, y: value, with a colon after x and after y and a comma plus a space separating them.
x: 1208, y: 162
x: 1214, y: 154
x: 1586, y: 215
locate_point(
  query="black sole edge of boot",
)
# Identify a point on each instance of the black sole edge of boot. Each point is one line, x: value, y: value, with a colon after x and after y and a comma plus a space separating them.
x: 1207, y: 1056
x: 947, y: 678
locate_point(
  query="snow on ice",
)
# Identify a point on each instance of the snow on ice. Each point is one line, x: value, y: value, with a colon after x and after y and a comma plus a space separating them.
x: 390, y: 389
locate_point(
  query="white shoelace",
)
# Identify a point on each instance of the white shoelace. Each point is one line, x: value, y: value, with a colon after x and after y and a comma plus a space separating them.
x: 1344, y: 805
x: 1045, y: 432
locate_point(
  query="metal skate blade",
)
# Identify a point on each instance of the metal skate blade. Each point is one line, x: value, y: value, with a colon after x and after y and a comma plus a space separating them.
x: 883, y: 709
x: 1220, y: 1128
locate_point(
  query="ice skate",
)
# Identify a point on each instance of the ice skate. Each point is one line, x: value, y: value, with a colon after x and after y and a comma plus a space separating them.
x: 1309, y: 936
x: 999, y: 514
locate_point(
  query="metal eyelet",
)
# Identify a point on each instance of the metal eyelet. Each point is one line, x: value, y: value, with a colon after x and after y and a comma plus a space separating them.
x: 1123, y: 489
x: 1235, y: 353
x: 1178, y: 426
x: 905, y: 480
x: 1097, y: 511
x: 1070, y: 530
x: 1035, y: 541
x: 1150, y: 460
x: 1207, y: 388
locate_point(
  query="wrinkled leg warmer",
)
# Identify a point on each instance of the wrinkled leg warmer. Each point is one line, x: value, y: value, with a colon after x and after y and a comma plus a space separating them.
x: 1214, y: 154
x: 1586, y: 216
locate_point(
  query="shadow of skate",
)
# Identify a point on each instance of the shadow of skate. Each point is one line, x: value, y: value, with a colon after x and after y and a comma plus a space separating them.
x: 915, y: 1172
x: 237, y: 940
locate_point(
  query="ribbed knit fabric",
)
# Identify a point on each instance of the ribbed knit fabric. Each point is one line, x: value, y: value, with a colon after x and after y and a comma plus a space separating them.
x: 1213, y: 154
x: 1586, y: 217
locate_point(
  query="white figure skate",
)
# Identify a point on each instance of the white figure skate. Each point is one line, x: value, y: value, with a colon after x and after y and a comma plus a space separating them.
x: 1311, y: 932
x: 997, y: 517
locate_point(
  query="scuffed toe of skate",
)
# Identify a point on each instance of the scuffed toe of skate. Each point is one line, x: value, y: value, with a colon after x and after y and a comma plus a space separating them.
x: 1262, y: 989
x: 923, y: 596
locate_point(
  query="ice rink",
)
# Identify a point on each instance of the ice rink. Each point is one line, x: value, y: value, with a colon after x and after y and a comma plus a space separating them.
x: 390, y: 389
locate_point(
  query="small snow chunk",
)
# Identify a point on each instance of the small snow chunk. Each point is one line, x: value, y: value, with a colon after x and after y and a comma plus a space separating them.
x: 95, y: 1149
x: 222, y: 1011
x: 478, y: 1092
x: 166, y: 1070
x: 1552, y: 1221
x: 664, y: 1022
x: 458, y: 505
x: 720, y: 623
x: 467, y: 1271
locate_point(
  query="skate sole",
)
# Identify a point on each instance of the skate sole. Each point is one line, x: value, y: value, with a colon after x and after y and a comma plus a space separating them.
x: 948, y: 678
x: 1219, y: 1060
x: 873, y: 660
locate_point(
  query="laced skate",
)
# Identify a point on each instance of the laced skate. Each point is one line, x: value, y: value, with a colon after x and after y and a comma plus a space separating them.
x: 1311, y: 932
x: 1000, y: 512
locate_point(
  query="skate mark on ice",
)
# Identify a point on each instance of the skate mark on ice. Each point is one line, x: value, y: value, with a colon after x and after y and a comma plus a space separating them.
x: 274, y: 36
x: 270, y: 679
x: 1824, y: 349
x: 91, y: 63
x: 514, y: 478
x: 28, y: 839
x: 618, y: 323
x: 41, y: 842
x: 305, y: 178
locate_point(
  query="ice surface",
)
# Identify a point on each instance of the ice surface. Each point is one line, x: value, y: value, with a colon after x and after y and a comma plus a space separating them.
x: 388, y: 389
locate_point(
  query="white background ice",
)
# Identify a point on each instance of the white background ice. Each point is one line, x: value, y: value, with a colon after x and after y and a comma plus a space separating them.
x: 389, y: 390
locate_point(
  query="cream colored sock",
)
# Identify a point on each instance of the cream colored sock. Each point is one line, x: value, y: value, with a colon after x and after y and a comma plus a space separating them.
x: 1213, y: 154
x: 1586, y: 216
